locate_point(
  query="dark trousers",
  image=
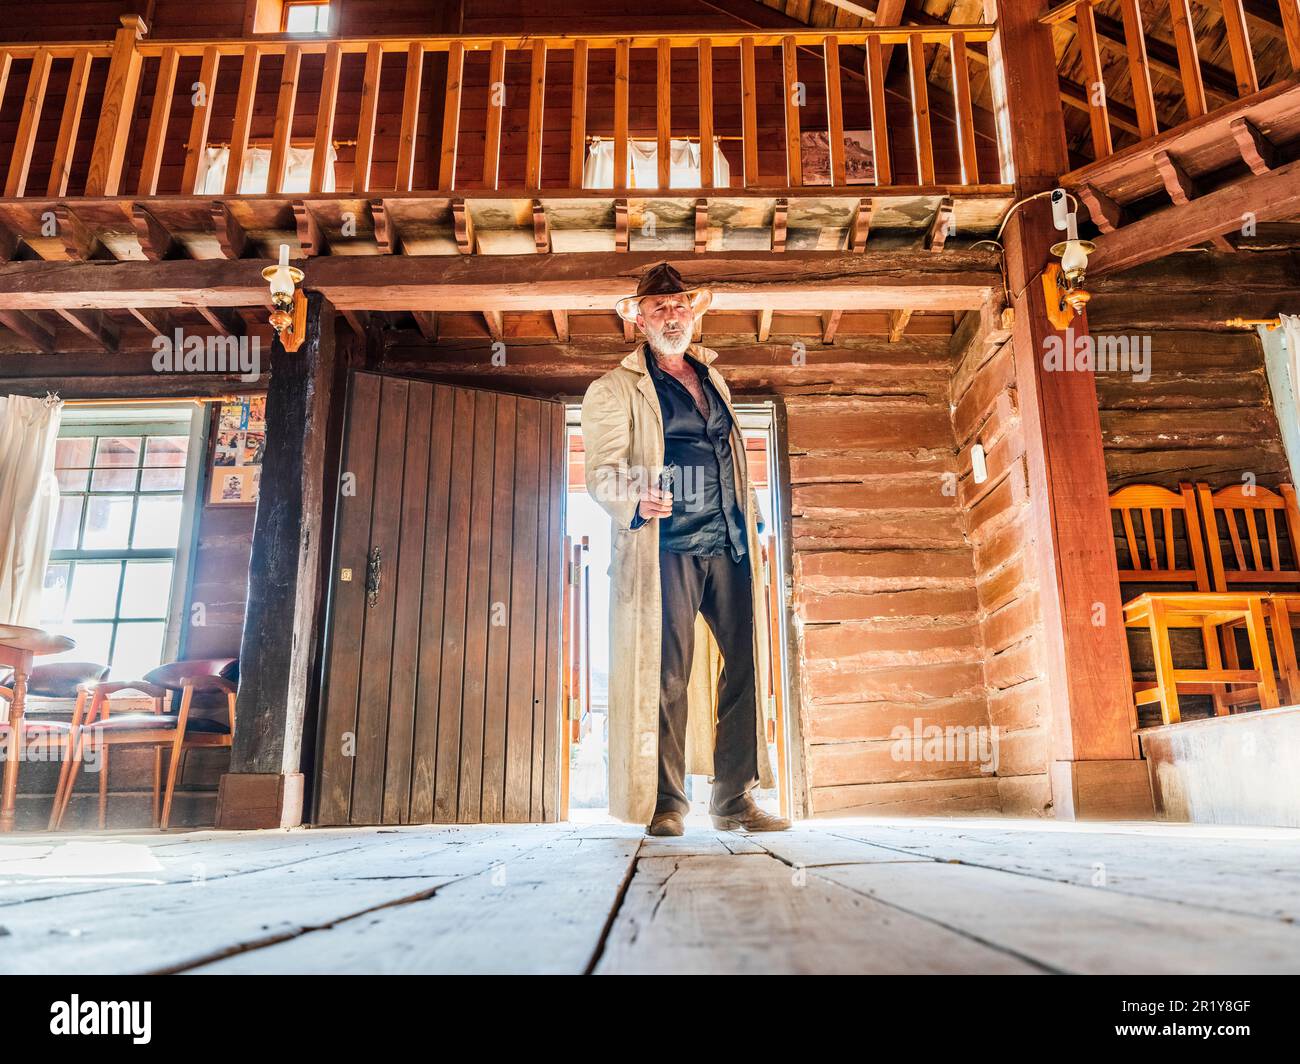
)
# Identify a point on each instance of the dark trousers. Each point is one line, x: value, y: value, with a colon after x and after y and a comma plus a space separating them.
x: 719, y: 588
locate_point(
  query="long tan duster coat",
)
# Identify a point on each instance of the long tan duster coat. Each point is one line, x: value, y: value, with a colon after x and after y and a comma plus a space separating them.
x: 623, y: 439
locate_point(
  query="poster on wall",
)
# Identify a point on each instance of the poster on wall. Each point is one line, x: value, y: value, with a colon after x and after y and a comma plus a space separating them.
x: 859, y: 168
x: 237, y: 451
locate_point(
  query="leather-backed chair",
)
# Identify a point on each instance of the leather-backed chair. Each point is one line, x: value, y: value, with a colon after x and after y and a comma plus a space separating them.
x: 169, y: 726
x: 62, y: 680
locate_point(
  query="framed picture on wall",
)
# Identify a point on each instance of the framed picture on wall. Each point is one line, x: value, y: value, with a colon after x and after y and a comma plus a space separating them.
x: 815, y: 151
x: 237, y: 450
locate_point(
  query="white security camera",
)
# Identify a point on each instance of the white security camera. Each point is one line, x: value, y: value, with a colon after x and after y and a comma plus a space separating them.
x: 1060, y: 208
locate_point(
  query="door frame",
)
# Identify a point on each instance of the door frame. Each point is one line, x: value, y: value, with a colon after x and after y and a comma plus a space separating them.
x: 795, y: 784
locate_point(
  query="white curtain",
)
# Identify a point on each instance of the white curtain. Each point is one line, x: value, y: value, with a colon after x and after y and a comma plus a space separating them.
x: 29, y: 503
x: 643, y: 164
x: 255, y: 173
x: 1282, y: 362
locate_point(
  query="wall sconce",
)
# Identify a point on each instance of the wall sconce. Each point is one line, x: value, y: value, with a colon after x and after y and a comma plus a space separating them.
x: 1063, y: 282
x: 289, y: 319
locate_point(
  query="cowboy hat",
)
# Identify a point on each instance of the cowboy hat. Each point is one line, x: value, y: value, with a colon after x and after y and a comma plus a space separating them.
x: 662, y: 280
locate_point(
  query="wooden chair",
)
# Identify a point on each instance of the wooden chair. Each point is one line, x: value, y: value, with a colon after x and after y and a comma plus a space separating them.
x: 175, y: 730
x: 1157, y: 511
x: 62, y: 680
x: 1263, y: 530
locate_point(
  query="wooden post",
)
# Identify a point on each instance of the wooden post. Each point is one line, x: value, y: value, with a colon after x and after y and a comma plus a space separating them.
x: 278, y: 655
x: 109, y: 152
x: 1085, y: 651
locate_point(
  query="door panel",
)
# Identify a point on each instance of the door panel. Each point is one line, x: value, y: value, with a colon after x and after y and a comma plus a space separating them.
x: 440, y: 701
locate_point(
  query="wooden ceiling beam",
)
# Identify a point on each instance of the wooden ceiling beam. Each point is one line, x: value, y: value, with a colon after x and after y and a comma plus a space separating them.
x: 741, y: 280
x: 30, y: 328
x: 1270, y: 197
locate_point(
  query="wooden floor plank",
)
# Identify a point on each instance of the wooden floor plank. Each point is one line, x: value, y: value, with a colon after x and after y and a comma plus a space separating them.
x: 1075, y: 929
x: 752, y: 914
x: 541, y: 912
x: 1261, y: 879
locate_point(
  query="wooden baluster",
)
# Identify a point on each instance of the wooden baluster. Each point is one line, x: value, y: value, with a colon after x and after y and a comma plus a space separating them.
x: 749, y: 111
x: 834, y: 110
x: 329, y: 98
x: 1170, y: 560
x: 243, y: 117
x: 1243, y: 62
x: 708, y: 179
x: 578, y: 116
x: 20, y: 161
x: 1139, y: 72
x: 451, y: 115
x: 6, y: 63
x: 410, y: 117
x: 105, y: 174
x: 536, y: 105
x: 283, y: 128
x: 369, y: 117
x: 1189, y: 64
x: 196, y: 146
x: 1094, y: 83
x: 496, y: 103
x: 621, y: 73
x: 793, y: 133
x: 163, y: 90
x: 1290, y: 10
x: 970, y: 171
x: 875, y: 74
x: 664, y: 113
x: 921, y: 109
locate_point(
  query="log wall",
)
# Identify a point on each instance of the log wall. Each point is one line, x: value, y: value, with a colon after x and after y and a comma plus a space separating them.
x: 1000, y: 533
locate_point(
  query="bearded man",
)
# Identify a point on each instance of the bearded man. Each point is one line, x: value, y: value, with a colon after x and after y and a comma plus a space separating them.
x: 665, y: 458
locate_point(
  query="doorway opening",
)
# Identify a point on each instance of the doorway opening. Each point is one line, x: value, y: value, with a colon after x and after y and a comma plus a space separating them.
x: 584, y: 771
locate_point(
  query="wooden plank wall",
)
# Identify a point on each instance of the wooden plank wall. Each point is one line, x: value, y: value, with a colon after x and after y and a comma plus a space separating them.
x: 173, y: 19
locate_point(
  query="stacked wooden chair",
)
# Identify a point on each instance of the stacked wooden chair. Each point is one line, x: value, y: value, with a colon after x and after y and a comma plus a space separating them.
x: 1263, y: 529
x: 1223, y: 594
x: 170, y: 727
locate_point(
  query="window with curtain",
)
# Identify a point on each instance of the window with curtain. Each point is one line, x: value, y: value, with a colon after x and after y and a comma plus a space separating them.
x: 255, y: 173
x: 121, y: 500
x: 643, y: 164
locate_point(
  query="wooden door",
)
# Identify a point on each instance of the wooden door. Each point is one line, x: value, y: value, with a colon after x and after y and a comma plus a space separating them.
x: 441, y: 694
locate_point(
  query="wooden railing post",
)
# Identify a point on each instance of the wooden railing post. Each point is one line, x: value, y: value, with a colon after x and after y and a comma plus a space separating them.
x: 1290, y: 10
x: 109, y: 152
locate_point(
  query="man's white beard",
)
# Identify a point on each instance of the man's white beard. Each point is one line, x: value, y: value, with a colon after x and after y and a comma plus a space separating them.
x: 668, y: 345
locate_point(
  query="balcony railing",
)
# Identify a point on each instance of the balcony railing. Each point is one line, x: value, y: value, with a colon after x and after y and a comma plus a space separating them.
x: 472, y: 113
x: 1201, y: 93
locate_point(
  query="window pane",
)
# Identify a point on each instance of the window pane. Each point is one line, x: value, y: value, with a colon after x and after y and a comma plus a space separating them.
x: 162, y: 479
x: 166, y: 450
x: 306, y: 18
x: 108, y: 523
x: 53, y: 592
x: 113, y: 480
x: 147, y: 589
x: 139, y: 649
x: 92, y: 643
x: 72, y: 479
x: 94, y: 590
x: 159, y: 522
x: 73, y: 452
x: 118, y: 451
x: 69, y: 522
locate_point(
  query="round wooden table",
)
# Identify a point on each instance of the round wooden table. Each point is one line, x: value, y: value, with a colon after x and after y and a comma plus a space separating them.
x: 18, y: 647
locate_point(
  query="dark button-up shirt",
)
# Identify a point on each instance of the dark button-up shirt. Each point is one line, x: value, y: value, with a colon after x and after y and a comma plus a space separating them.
x: 707, y: 518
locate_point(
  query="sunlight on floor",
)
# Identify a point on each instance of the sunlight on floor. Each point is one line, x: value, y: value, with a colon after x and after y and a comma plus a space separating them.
x: 69, y: 861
